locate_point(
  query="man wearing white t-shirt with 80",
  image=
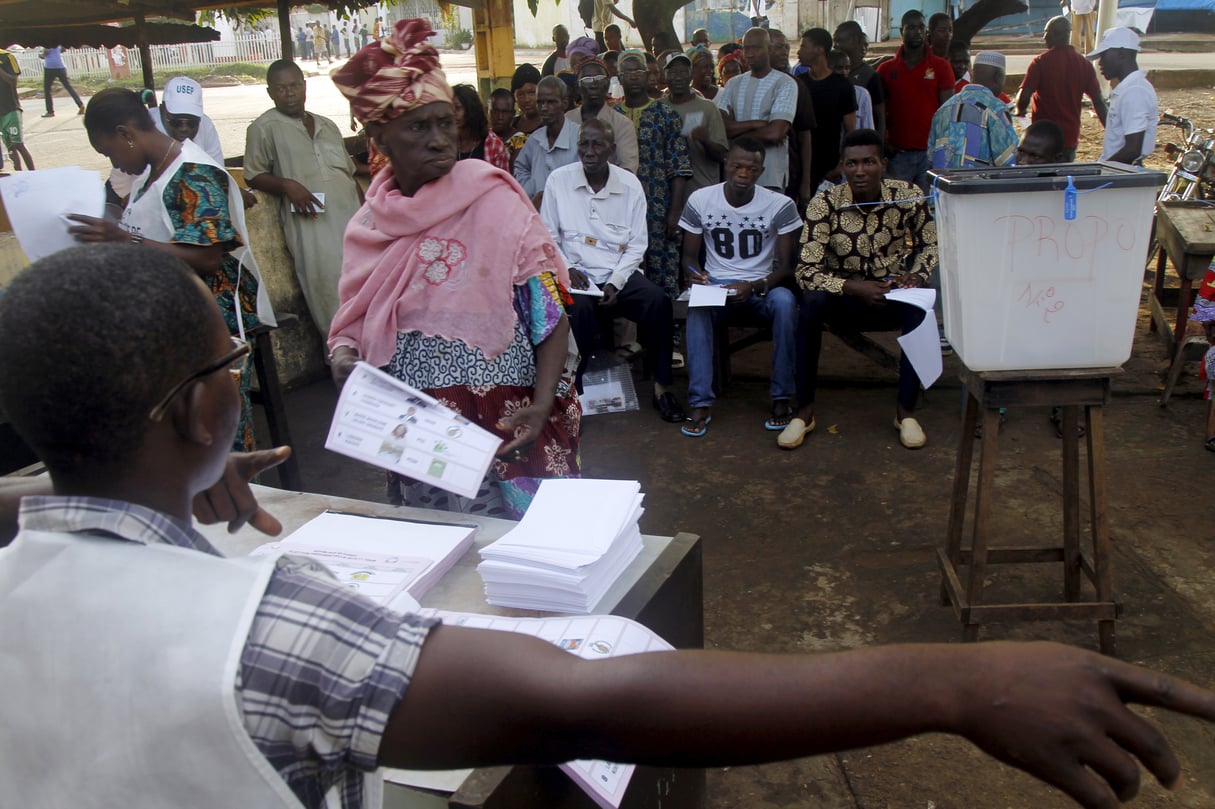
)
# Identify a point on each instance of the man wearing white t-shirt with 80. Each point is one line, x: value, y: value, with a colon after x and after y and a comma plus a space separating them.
x: 743, y: 227
x: 761, y: 103
x: 1130, y: 124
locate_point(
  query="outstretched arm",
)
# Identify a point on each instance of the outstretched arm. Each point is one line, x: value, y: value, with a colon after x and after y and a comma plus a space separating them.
x: 1056, y: 712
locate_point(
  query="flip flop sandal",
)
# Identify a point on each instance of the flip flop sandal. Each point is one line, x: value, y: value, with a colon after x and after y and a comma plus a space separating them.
x: 794, y: 433
x: 696, y: 428
x: 777, y: 422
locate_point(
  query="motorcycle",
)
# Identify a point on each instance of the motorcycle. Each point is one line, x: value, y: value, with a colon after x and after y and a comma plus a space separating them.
x: 1193, y: 172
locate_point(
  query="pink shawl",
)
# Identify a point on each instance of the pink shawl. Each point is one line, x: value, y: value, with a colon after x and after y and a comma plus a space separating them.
x: 444, y: 262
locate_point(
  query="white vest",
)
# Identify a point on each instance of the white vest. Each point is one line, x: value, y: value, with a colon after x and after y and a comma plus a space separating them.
x: 118, y: 662
x: 148, y: 217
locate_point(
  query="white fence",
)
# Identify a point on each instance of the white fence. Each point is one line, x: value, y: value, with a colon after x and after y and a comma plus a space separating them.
x: 93, y: 63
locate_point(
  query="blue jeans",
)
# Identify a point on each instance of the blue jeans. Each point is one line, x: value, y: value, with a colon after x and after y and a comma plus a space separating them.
x: 778, y: 308
x: 910, y: 165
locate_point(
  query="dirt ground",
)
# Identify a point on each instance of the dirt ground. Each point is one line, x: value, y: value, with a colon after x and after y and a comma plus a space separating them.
x: 1197, y: 104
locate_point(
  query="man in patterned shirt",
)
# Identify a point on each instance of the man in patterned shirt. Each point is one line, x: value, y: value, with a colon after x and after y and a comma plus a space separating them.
x: 861, y: 241
x: 974, y: 128
x: 142, y: 670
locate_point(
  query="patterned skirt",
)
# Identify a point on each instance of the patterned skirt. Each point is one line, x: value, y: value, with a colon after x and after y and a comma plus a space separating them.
x: 488, y: 390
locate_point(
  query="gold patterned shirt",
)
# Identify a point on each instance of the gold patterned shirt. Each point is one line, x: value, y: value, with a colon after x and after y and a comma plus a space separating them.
x: 843, y: 241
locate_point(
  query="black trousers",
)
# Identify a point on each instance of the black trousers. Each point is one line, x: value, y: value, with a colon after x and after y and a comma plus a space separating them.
x: 851, y: 314
x: 49, y: 74
x: 641, y: 301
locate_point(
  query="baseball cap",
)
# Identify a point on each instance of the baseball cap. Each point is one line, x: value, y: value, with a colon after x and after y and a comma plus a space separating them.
x: 672, y: 56
x: 1116, y: 38
x: 183, y: 96
x: 631, y: 53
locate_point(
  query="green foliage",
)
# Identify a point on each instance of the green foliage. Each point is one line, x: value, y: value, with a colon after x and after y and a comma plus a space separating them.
x: 459, y: 39
x: 534, y: 6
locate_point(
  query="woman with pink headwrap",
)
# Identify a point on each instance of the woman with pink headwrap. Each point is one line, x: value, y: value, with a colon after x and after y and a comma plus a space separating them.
x: 451, y: 283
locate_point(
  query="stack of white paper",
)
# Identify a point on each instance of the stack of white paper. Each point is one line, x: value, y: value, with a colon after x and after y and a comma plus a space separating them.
x: 577, y: 537
x: 390, y: 561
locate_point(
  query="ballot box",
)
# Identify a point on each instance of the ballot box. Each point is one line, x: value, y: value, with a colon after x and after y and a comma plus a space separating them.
x: 1041, y: 266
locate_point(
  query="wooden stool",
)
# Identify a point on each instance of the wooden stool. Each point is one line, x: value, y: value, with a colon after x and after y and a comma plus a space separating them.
x: 269, y: 394
x: 1072, y: 390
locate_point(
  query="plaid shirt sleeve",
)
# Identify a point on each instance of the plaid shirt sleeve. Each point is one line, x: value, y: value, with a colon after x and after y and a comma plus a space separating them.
x: 321, y: 673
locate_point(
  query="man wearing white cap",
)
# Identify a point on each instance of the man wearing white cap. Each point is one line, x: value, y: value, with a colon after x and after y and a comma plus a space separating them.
x: 974, y: 127
x: 181, y: 116
x: 1130, y: 126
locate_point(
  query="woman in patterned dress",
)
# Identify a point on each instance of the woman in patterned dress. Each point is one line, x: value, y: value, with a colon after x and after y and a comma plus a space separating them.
x: 451, y: 283
x: 184, y: 204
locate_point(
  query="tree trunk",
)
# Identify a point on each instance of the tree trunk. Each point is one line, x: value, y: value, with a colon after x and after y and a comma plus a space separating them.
x: 980, y: 14
x: 657, y: 16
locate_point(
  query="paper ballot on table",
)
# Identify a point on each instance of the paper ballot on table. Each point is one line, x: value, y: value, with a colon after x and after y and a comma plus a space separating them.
x: 545, y: 565
x: 601, y: 509
x: 590, y: 637
x: 387, y: 423
x: 705, y: 295
x: 383, y: 558
x: 922, y: 345
x: 37, y: 201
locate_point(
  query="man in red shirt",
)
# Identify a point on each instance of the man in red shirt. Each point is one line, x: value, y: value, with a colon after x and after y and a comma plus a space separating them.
x: 1055, y: 82
x: 917, y: 82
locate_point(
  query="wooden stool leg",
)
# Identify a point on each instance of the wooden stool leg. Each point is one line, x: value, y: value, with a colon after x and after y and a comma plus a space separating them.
x: 1183, y: 311
x: 276, y: 414
x: 983, y: 498
x: 961, y: 488
x: 1071, y: 504
x: 1162, y: 260
x: 1174, y: 371
x: 1102, y: 562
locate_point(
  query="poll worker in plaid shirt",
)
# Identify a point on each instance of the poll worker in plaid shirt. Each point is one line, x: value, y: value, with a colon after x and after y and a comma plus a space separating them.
x: 143, y: 670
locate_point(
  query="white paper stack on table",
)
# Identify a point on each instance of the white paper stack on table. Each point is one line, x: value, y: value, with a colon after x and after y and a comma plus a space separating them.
x: 575, y: 540
x: 391, y: 561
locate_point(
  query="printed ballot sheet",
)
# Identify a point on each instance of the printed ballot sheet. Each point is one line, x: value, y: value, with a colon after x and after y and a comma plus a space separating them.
x: 590, y: 637
x: 387, y: 423
x: 38, y: 201
x: 382, y: 558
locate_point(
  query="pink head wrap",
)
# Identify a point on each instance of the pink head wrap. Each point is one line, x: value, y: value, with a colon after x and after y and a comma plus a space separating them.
x: 394, y: 75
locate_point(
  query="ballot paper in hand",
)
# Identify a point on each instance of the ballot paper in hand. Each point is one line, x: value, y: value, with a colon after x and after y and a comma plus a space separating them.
x: 592, y: 289
x: 37, y: 203
x: 707, y: 295
x: 592, y: 637
x: 387, y: 423
x: 922, y: 345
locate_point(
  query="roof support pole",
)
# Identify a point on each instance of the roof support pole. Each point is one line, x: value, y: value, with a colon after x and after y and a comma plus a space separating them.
x: 145, y: 50
x: 284, y: 29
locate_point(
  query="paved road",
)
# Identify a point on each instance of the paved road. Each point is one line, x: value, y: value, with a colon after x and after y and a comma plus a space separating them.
x: 61, y: 141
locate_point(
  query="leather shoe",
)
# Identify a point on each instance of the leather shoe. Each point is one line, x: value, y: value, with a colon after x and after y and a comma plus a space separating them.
x: 669, y: 408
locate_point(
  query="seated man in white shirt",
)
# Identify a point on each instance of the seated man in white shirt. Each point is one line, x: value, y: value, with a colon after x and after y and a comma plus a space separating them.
x: 743, y: 227
x: 596, y: 214
x: 553, y: 145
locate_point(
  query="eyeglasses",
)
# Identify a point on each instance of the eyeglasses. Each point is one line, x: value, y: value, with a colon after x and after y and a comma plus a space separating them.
x: 235, y: 361
x: 591, y: 81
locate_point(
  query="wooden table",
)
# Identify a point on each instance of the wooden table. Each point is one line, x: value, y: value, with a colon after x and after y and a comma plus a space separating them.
x: 662, y: 589
x: 1185, y: 231
x: 1073, y: 390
